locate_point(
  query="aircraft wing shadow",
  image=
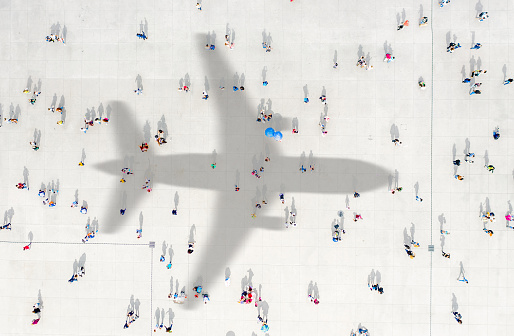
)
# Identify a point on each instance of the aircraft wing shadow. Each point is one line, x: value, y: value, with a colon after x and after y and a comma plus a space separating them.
x: 231, y: 224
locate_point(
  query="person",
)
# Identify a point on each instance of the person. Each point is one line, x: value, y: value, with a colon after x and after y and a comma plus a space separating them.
x: 281, y: 196
x: 139, y: 233
x: 446, y: 255
x: 475, y: 92
x: 452, y: 47
x: 206, y: 298
x: 363, y: 330
x: 34, y: 145
x: 482, y: 16
x: 265, y: 83
x: 389, y: 58
x: 197, y: 290
x: 335, y: 65
x: 443, y: 2
x: 361, y: 62
x: 36, y: 310
x: 336, y: 236
x: 477, y: 73
x: 459, y: 177
x: 198, y: 6
x: 83, y: 210
x: 463, y: 279
x: 401, y: 25
x: 205, y: 96
x: 476, y: 46
x: 22, y: 186
x: 146, y: 186
x: 496, y: 133
x: 144, y: 147
x: 190, y: 248
x: 73, y: 278
x: 180, y: 299
x: 458, y: 317
x: 422, y: 85
x: 508, y: 81
x: 122, y: 211
x: 424, y: 21
x: 466, y: 80
x: 409, y: 251
x: 398, y: 189
x: 490, y: 168
x: 456, y: 162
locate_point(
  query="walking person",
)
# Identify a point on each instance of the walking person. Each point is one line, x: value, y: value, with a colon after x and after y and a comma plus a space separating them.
x: 457, y: 316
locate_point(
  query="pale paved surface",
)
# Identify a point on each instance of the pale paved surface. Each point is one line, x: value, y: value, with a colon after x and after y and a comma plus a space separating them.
x: 99, y: 64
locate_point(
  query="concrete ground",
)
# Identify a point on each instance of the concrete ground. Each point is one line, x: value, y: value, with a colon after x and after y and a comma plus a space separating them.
x: 95, y: 74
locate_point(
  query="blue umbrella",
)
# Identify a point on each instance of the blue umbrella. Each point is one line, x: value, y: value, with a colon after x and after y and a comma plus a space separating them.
x: 270, y: 132
x: 277, y: 136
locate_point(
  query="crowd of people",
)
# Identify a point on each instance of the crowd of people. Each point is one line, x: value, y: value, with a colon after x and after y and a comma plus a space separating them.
x: 249, y: 294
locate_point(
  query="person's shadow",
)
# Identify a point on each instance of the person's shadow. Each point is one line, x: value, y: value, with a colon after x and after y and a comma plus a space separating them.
x: 192, y: 233
x: 455, y: 305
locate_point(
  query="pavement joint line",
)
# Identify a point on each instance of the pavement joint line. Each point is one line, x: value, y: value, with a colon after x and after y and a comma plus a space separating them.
x: 431, y: 163
x: 69, y: 243
x: 151, y: 291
